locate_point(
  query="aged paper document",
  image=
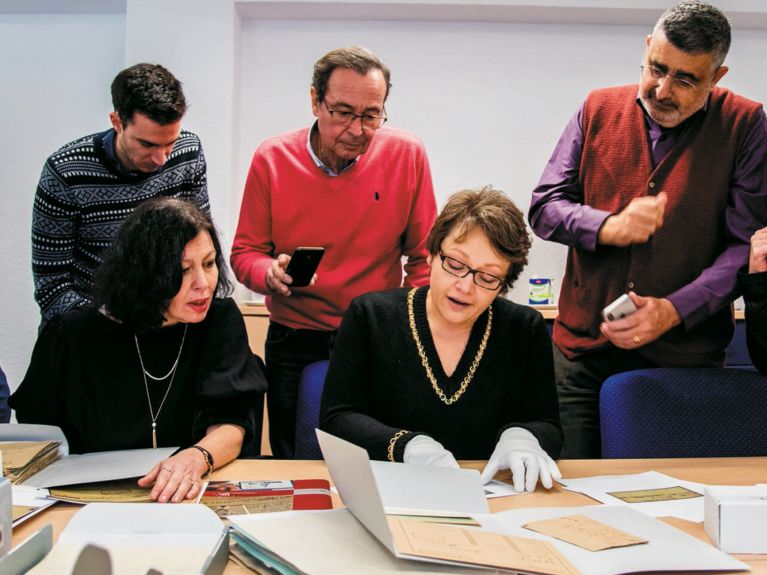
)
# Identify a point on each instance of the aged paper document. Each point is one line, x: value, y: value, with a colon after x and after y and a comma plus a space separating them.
x: 584, y: 532
x: 450, y: 543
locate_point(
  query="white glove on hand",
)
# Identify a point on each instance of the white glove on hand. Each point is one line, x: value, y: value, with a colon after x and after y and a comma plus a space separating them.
x: 423, y: 450
x: 519, y: 451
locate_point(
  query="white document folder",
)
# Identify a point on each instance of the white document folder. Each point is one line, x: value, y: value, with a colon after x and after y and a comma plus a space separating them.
x: 431, y: 490
x: 173, y: 539
x: 99, y: 466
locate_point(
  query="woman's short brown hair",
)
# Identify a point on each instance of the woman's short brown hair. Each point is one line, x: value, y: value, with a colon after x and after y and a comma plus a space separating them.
x: 493, y: 213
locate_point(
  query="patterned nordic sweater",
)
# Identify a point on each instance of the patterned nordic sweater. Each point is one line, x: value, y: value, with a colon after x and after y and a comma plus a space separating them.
x: 81, y: 200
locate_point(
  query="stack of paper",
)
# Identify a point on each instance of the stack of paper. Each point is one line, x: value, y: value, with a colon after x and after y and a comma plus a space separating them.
x: 22, y: 459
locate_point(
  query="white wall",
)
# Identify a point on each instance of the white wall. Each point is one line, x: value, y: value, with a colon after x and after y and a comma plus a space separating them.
x: 487, y: 86
x: 55, y: 74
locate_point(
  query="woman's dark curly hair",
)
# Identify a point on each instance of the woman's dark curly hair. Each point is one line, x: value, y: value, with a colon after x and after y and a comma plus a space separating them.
x: 141, y: 272
x: 496, y: 216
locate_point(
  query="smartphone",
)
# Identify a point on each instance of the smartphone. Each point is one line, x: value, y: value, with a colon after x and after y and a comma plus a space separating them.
x: 620, y: 308
x: 303, y: 263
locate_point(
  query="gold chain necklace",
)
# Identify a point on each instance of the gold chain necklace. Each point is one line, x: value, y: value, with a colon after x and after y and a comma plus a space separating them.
x: 425, y: 361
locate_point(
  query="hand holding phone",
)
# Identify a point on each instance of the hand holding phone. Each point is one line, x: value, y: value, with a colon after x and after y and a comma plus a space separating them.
x: 620, y: 308
x: 303, y: 264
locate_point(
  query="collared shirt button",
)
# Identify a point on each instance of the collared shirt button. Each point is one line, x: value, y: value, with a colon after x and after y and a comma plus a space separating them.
x: 631, y: 285
x: 652, y: 185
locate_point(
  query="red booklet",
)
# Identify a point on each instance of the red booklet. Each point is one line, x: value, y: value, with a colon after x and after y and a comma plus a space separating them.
x: 244, y: 497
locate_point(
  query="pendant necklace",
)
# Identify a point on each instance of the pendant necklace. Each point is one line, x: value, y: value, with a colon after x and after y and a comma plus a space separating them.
x: 171, y: 373
x: 425, y: 360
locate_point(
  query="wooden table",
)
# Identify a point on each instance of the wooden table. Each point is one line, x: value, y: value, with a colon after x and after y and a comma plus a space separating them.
x: 724, y: 471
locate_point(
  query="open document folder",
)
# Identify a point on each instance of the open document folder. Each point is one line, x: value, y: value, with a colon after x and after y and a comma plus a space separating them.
x: 434, y: 492
x: 172, y: 539
x: 666, y: 549
x: 99, y: 466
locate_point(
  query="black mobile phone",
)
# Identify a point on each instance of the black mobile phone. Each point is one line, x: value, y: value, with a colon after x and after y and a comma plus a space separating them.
x: 303, y: 263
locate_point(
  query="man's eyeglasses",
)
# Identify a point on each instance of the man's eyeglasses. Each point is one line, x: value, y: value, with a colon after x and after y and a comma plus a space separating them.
x: 681, y: 82
x: 345, y: 118
x: 460, y: 270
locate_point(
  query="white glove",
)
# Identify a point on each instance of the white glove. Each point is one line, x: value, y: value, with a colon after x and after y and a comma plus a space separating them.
x: 519, y: 451
x: 423, y: 450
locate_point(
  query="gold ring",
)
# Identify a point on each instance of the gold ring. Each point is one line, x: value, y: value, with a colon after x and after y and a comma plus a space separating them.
x: 636, y: 339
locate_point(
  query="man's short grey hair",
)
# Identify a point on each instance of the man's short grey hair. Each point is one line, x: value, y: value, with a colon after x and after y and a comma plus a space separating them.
x: 697, y: 28
x: 356, y: 58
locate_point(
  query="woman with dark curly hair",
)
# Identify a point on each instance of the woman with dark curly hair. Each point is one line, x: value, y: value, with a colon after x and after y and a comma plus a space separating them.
x: 161, y: 359
x: 451, y: 370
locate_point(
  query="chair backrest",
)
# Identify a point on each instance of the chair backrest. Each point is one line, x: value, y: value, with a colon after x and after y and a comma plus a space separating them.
x: 308, y: 410
x: 34, y: 432
x: 5, y: 393
x: 684, y: 412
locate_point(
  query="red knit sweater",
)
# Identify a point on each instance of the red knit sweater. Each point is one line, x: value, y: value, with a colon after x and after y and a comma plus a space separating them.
x: 367, y: 218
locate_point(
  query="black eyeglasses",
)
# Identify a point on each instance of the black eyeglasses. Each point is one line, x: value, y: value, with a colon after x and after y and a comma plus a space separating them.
x: 345, y: 118
x: 460, y: 270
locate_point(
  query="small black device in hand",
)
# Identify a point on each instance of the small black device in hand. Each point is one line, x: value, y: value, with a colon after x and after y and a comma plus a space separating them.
x: 303, y: 263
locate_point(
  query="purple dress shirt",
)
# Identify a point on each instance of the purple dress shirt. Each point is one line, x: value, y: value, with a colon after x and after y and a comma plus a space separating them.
x: 557, y: 212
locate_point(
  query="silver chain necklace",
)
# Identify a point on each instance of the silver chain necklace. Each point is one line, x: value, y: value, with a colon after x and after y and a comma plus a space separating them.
x: 171, y: 373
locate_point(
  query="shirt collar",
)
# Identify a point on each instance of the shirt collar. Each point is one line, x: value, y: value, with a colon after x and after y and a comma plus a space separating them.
x: 319, y: 163
x: 108, y: 142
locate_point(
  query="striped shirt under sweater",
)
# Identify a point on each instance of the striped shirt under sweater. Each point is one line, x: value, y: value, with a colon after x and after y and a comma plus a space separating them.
x: 81, y: 200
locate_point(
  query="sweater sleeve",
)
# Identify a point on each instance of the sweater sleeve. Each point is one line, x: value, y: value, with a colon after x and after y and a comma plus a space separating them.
x: 347, y: 396
x: 40, y: 395
x: 231, y: 377
x: 253, y: 247
x: 54, y: 236
x: 539, y: 406
x: 422, y: 216
x: 557, y: 210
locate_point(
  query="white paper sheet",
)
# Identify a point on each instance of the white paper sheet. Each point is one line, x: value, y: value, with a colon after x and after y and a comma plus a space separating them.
x: 599, y: 486
x: 423, y: 490
x: 31, y: 497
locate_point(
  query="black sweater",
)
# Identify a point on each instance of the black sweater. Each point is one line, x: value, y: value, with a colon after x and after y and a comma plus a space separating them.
x: 85, y: 377
x: 376, y: 384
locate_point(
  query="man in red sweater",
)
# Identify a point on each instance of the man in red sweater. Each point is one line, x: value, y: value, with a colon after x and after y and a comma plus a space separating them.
x: 656, y: 189
x: 363, y: 193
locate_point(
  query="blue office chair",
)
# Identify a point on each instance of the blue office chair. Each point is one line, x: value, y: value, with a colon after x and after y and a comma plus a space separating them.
x: 308, y: 410
x: 5, y: 393
x: 678, y: 412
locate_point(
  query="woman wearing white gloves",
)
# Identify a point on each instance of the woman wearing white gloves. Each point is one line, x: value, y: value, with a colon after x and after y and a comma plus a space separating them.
x: 452, y: 371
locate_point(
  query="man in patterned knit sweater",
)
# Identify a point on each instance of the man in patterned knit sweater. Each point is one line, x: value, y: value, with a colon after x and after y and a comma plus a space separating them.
x: 656, y: 189
x: 363, y: 193
x: 89, y: 186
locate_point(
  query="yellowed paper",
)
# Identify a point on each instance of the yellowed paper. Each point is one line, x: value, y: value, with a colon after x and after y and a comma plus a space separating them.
x: 119, y: 491
x: 655, y: 495
x: 584, y: 532
x: 454, y: 520
x: 18, y: 511
x: 22, y: 459
x: 473, y: 547
x: 243, y: 505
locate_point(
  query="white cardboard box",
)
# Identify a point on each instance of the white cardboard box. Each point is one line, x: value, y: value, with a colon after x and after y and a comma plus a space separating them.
x: 736, y: 517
